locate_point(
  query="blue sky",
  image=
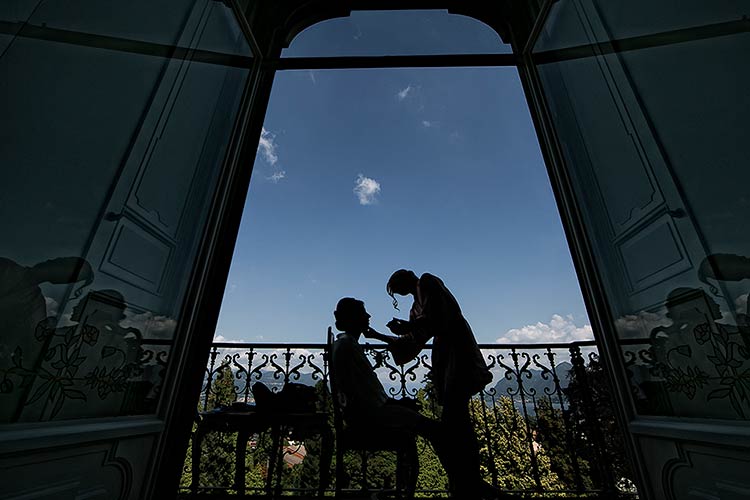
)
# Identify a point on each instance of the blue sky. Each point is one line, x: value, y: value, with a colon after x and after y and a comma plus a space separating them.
x: 362, y: 172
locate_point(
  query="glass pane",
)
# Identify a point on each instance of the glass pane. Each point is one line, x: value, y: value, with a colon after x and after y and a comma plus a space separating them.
x: 408, y: 32
x: 569, y: 24
x: 655, y: 141
x: 110, y: 159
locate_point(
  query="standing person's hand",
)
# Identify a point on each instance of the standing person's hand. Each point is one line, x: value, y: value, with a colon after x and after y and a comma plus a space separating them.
x: 370, y: 333
x: 398, y: 326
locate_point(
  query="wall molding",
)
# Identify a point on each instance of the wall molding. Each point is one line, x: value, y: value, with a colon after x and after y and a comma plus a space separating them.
x: 20, y: 438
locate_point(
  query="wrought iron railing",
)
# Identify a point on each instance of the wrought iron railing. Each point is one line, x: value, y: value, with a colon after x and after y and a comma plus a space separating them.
x: 545, y: 424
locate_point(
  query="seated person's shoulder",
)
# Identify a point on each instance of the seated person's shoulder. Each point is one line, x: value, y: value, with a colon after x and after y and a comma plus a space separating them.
x: 344, y: 343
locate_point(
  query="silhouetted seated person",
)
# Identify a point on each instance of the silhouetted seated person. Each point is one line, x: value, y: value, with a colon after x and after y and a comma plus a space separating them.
x: 364, y: 401
x: 692, y: 312
x: 109, y: 353
x: 365, y: 405
x: 694, y: 344
x: 105, y: 311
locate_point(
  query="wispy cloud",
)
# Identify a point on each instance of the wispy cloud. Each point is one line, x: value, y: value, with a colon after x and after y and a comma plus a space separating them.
x: 312, y: 77
x: 403, y: 93
x: 277, y: 176
x: 366, y: 189
x: 428, y: 123
x: 559, y: 329
x: 267, y: 146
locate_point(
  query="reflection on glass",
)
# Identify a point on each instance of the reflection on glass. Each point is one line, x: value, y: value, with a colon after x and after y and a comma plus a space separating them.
x: 654, y: 139
x: 110, y: 157
x: 388, y: 33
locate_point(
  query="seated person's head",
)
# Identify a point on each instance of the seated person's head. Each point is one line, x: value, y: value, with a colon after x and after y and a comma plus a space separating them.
x: 351, y: 316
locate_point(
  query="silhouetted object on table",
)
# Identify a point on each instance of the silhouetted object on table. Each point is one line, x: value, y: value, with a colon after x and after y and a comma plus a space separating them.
x: 291, y: 398
x: 458, y: 368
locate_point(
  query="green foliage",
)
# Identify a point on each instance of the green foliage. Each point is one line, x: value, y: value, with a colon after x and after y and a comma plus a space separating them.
x: 558, y: 437
x: 508, y: 447
x: 432, y: 475
x: 309, y: 469
x: 217, y: 448
x: 593, y: 414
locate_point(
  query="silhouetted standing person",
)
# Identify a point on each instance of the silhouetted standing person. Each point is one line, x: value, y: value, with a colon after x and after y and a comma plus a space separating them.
x: 23, y: 313
x: 458, y: 368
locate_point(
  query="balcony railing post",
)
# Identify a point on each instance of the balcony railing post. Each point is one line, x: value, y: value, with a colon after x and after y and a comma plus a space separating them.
x: 250, y: 356
x: 287, y: 360
x: 570, y: 440
x: 591, y: 418
x: 212, y: 362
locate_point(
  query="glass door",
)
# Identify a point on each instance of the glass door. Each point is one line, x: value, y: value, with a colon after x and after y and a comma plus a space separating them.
x: 642, y: 109
x: 120, y: 130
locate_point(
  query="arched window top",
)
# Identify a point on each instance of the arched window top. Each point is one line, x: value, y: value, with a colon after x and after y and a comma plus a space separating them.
x: 405, y: 32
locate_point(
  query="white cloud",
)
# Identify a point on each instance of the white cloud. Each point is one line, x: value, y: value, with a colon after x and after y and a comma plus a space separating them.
x: 312, y: 77
x: 277, y: 176
x: 366, y: 189
x: 222, y: 338
x: 741, y: 303
x: 150, y: 325
x: 636, y: 326
x: 267, y: 146
x: 427, y: 123
x: 52, y: 306
x: 559, y: 329
x: 403, y: 93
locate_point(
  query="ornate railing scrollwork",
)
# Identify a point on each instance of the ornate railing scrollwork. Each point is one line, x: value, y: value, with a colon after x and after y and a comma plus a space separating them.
x: 540, y: 398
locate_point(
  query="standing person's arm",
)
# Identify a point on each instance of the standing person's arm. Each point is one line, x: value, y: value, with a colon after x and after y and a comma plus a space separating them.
x: 424, y: 314
x: 403, y: 348
x: 425, y: 320
x: 371, y: 333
